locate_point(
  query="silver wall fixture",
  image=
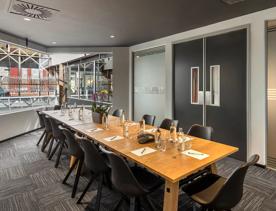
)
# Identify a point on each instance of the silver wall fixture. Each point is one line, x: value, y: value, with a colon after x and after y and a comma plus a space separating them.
x: 31, y: 10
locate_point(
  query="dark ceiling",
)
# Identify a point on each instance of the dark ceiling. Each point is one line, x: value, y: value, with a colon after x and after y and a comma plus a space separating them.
x: 90, y: 23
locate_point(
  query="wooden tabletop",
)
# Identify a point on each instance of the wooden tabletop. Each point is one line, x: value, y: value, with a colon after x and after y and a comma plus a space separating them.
x: 171, y: 164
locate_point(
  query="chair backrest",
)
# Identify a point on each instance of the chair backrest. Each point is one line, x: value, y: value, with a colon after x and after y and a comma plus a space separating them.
x: 73, y: 146
x: 149, y: 119
x: 231, y: 192
x: 57, y: 133
x: 122, y: 177
x: 166, y: 124
x: 201, y: 131
x: 118, y: 112
x: 57, y: 107
x: 93, y: 160
x: 48, y: 126
x: 41, y: 120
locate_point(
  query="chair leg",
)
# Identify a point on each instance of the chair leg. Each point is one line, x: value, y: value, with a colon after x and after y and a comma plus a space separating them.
x: 149, y: 203
x: 54, y: 151
x: 132, y: 204
x: 77, y: 178
x: 47, y: 137
x: 118, y: 205
x: 41, y: 137
x: 86, y: 188
x: 99, y: 193
x: 50, y: 147
x: 70, y: 171
x: 59, y: 154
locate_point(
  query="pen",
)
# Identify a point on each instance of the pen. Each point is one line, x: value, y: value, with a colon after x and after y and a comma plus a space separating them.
x: 193, y: 153
x: 143, y: 150
x: 113, y: 137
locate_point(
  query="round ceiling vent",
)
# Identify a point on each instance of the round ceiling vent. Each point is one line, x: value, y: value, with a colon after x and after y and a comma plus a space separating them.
x: 31, y: 10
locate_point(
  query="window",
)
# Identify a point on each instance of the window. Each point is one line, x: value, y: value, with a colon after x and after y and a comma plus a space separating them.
x: 90, y: 75
x: 24, y: 80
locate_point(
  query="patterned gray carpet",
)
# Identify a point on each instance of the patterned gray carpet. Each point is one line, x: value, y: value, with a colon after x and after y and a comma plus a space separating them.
x: 29, y: 182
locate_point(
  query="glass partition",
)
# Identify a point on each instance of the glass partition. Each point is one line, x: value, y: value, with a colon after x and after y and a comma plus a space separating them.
x: 149, y: 84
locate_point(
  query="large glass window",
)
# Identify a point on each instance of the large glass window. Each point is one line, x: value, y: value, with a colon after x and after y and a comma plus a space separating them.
x: 88, y: 76
x: 24, y: 80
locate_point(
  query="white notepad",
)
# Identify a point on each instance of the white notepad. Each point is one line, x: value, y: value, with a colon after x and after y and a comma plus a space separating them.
x: 132, y: 124
x: 113, y: 138
x: 143, y: 151
x: 94, y: 130
x: 152, y: 130
x: 195, y: 154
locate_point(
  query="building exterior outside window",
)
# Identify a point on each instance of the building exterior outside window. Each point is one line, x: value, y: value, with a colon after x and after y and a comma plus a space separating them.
x: 24, y: 79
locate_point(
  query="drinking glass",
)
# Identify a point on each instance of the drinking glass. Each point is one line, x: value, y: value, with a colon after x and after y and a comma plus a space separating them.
x: 163, y: 145
x: 188, y: 144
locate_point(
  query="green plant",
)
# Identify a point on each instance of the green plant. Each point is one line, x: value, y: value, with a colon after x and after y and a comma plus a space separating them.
x: 100, y: 108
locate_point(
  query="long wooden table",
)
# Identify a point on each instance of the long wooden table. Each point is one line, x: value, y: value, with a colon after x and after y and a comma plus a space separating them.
x: 171, y: 164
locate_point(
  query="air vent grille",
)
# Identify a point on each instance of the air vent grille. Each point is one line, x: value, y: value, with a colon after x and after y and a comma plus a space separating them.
x: 231, y: 2
x: 31, y: 10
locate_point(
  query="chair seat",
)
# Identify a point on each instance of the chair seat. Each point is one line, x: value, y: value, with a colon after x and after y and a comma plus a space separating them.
x: 204, y: 189
x: 146, y: 179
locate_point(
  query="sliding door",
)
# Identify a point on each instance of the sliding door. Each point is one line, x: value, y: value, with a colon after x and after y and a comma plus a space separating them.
x: 219, y: 100
x: 188, y: 83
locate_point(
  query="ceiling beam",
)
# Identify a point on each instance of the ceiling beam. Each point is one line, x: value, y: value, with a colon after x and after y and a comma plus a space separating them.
x: 13, y: 39
x: 79, y: 49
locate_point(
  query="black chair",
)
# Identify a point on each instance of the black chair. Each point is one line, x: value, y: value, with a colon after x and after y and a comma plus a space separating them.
x: 49, y: 135
x: 57, y: 107
x: 166, y: 124
x: 218, y: 193
x: 118, y: 112
x: 133, y: 183
x: 201, y: 131
x: 96, y: 164
x: 42, y: 125
x: 60, y: 139
x: 149, y: 119
x: 73, y: 150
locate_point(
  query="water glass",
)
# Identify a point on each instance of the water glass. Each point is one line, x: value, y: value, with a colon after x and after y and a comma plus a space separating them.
x: 188, y: 144
x: 163, y: 145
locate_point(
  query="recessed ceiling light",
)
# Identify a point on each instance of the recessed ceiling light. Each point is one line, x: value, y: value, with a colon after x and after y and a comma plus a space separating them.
x: 112, y: 36
x: 27, y: 19
x: 54, y: 42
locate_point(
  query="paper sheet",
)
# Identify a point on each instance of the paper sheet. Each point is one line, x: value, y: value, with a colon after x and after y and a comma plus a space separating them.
x: 143, y: 151
x: 94, y: 130
x: 195, y: 154
x: 113, y: 138
x: 152, y: 130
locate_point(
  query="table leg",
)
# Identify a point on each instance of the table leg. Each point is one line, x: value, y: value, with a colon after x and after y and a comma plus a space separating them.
x: 214, y: 169
x: 72, y: 160
x: 171, y: 196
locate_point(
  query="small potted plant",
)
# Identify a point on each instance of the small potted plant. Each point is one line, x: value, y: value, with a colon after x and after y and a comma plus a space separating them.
x: 98, y: 108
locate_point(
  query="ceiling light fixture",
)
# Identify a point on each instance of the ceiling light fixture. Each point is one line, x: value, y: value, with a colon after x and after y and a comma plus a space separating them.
x: 27, y: 19
x: 112, y: 36
x: 54, y: 42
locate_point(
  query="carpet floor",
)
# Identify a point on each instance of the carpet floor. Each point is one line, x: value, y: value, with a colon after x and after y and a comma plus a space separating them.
x: 29, y: 182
